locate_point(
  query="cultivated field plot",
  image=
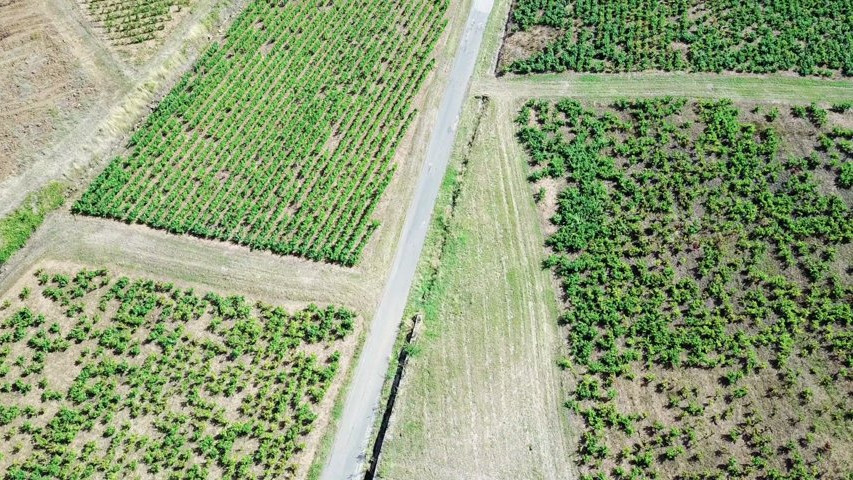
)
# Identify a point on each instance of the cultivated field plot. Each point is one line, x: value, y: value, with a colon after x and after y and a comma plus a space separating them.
x: 281, y: 138
x: 48, y: 77
x: 104, y: 377
x: 127, y: 22
x: 704, y: 253
x: 810, y: 37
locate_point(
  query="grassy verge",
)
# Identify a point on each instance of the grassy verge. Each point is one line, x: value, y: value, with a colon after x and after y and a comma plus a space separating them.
x: 771, y: 88
x: 17, y: 227
x: 493, y: 39
x: 422, y: 298
x: 489, y: 328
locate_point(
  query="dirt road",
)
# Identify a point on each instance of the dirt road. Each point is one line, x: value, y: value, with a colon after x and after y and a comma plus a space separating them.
x: 347, y: 458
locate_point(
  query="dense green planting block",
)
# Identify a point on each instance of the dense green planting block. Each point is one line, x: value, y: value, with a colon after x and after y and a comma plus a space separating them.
x: 704, y: 254
x: 282, y: 137
x: 811, y: 37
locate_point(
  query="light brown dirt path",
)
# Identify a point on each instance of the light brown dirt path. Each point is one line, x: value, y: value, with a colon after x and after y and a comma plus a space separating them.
x: 142, y: 251
x: 482, y: 397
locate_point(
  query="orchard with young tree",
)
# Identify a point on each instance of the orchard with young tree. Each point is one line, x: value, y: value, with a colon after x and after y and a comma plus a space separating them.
x: 706, y: 275
x: 104, y: 377
x: 810, y: 37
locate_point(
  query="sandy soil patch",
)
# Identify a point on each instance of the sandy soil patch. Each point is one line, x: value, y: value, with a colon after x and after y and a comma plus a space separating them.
x: 46, y: 79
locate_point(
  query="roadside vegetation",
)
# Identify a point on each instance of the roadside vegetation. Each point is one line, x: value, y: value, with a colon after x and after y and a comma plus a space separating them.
x: 809, y: 37
x: 282, y: 137
x: 17, y: 227
x: 104, y: 377
x: 704, y: 257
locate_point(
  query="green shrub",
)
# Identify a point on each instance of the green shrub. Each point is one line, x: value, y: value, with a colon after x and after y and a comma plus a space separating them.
x: 18, y: 226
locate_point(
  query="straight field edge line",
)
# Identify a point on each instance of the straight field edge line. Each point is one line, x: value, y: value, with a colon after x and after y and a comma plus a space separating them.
x: 775, y: 88
x: 496, y: 67
x: 324, y: 447
x: 402, y: 361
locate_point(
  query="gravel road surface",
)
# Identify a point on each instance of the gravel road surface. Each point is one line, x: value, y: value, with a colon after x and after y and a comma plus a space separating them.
x: 348, y: 456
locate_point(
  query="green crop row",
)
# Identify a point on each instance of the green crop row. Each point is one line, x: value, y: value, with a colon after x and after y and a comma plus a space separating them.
x: 282, y: 138
x: 132, y: 21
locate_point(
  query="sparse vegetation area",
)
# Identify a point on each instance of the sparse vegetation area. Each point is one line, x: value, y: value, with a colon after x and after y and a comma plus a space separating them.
x: 133, y: 21
x: 282, y: 137
x: 104, y: 377
x: 810, y: 37
x: 706, y: 274
x: 16, y: 228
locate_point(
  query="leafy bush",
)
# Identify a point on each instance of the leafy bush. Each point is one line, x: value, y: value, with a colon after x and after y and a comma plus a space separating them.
x: 811, y: 38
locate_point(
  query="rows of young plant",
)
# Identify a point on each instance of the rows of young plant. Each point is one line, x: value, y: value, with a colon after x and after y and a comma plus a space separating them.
x: 282, y: 138
x: 706, y: 273
x: 132, y: 21
x: 811, y: 37
x: 105, y: 377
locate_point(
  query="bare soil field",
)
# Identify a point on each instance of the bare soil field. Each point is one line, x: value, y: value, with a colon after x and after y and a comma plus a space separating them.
x: 50, y: 75
x: 521, y: 44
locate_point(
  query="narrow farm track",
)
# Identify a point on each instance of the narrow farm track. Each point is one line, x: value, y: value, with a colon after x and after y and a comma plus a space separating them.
x: 354, y: 428
x: 140, y: 251
x: 775, y: 88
